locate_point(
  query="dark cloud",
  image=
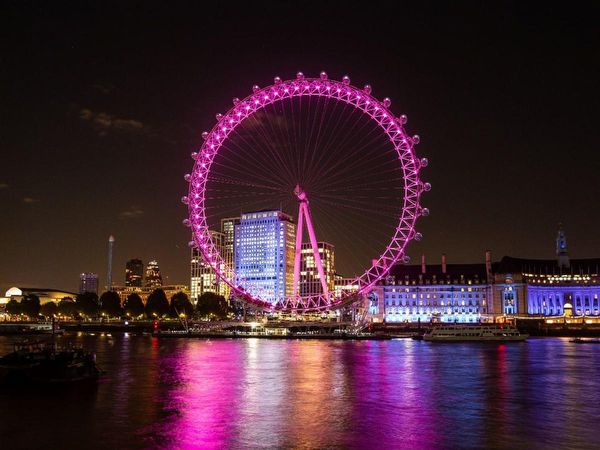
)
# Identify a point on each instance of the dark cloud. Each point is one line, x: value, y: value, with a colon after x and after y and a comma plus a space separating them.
x: 132, y: 213
x: 3, y: 186
x: 104, y: 123
x: 30, y: 200
x: 105, y: 88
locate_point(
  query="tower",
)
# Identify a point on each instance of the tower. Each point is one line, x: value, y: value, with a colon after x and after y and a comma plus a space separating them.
x: 111, y: 241
x: 264, y: 254
x: 88, y: 282
x: 562, y: 254
x: 134, y: 272
x: 204, y: 277
x: 153, y: 276
x: 310, y: 280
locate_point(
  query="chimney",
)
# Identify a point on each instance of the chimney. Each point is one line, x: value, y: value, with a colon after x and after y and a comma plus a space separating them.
x: 488, y: 264
x: 423, y: 266
x: 443, y: 263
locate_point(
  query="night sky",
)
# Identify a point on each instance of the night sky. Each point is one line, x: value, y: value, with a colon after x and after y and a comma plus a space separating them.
x: 101, y: 104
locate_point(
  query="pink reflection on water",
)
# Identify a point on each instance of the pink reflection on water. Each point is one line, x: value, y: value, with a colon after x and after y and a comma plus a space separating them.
x: 200, y: 397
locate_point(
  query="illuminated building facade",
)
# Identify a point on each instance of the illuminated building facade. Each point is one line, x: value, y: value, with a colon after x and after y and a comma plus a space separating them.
x: 512, y: 287
x: 203, y: 276
x: 228, y: 231
x: 450, y: 293
x: 153, y: 277
x: 310, y: 282
x: 264, y: 254
x: 144, y: 292
x: 134, y: 272
x: 88, y: 282
x: 343, y: 285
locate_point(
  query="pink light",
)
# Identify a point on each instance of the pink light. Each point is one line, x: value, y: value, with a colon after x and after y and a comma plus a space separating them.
x: 350, y: 95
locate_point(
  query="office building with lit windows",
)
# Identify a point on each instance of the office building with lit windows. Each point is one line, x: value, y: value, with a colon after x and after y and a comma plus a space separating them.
x: 153, y: 278
x: 88, y: 282
x: 134, y: 272
x: 203, y: 277
x: 264, y: 254
x: 310, y: 282
x: 228, y: 230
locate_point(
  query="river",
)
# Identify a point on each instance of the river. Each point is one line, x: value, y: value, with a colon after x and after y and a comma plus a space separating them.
x: 280, y: 394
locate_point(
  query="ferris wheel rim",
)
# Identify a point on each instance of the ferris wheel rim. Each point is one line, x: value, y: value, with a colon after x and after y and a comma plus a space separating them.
x: 342, y: 91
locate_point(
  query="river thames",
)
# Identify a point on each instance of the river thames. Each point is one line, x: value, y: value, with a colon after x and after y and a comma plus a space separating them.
x: 272, y: 394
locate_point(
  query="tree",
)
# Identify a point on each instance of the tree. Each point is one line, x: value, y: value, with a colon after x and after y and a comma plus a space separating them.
x: 134, y: 306
x: 87, y: 304
x: 30, y: 306
x: 110, y: 304
x: 157, y: 304
x: 211, y: 305
x: 67, y: 307
x: 13, y: 307
x: 181, y: 304
x: 48, y: 310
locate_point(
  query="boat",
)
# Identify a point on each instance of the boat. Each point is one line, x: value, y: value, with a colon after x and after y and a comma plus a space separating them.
x: 476, y: 333
x: 585, y: 341
x: 46, y: 362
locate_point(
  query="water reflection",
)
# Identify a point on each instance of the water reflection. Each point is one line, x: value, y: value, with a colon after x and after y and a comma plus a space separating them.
x: 255, y: 393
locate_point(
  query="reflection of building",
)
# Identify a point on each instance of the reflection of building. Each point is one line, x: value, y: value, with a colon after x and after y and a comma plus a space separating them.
x: 264, y: 254
x: 144, y: 292
x: 153, y: 277
x: 88, y: 282
x: 203, y: 276
x: 310, y: 282
x: 134, y: 272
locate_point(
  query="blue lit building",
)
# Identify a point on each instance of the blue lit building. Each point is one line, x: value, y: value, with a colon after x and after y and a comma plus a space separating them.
x: 449, y: 293
x: 264, y: 254
x: 512, y: 287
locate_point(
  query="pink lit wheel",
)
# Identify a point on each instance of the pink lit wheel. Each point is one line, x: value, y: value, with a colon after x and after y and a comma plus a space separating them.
x: 270, y: 142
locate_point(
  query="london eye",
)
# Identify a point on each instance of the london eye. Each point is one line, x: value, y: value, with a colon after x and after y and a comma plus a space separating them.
x: 324, y: 156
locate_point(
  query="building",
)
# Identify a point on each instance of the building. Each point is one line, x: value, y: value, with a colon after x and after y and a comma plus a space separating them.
x: 228, y: 230
x: 203, y: 277
x: 511, y: 287
x: 111, y: 243
x: 144, y: 292
x: 451, y: 293
x: 547, y: 287
x: 153, y: 277
x: 44, y: 294
x: 88, y: 282
x: 264, y: 250
x: 310, y: 282
x: 134, y: 272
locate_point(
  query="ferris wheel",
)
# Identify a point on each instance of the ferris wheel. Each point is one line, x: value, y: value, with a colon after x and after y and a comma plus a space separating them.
x: 327, y: 150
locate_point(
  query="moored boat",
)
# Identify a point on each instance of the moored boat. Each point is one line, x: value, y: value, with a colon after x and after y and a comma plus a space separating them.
x: 45, y: 362
x: 477, y: 333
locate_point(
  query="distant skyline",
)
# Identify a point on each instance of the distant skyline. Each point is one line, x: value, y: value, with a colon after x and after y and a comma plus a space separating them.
x: 103, y: 104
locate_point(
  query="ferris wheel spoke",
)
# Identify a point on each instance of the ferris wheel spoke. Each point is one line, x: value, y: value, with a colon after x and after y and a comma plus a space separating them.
x: 254, y: 160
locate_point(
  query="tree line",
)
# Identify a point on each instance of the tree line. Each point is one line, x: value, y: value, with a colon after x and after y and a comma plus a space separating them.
x: 88, y: 304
